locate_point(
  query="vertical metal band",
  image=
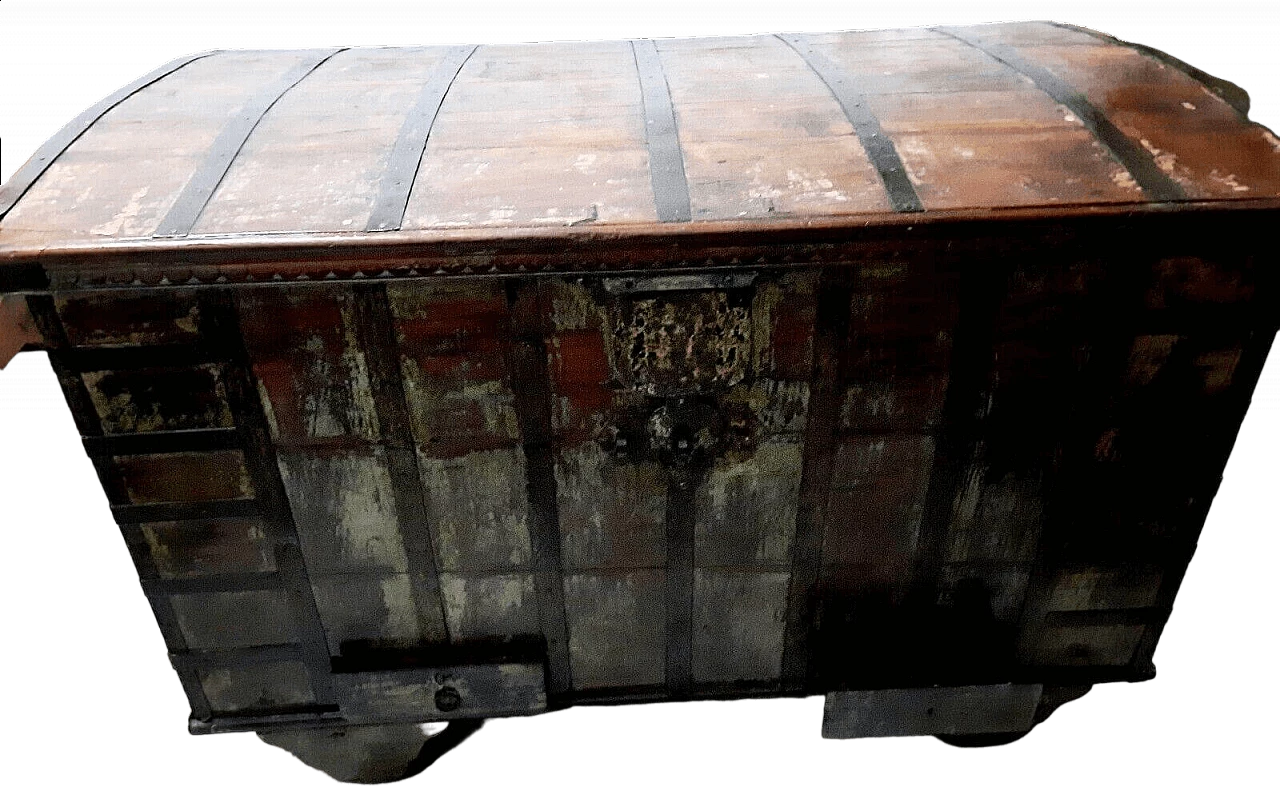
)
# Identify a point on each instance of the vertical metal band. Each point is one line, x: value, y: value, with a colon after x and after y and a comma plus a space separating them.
x: 1157, y: 185
x: 879, y: 147
x: 681, y: 520
x: 54, y: 147
x: 221, y: 324
x: 830, y: 346
x: 972, y: 361
x: 531, y: 385
x: 374, y: 327
x: 406, y: 155
x: 666, y: 160
x: 184, y: 213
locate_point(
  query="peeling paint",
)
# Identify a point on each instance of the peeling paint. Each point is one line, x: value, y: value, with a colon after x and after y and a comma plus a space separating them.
x: 746, y: 510
x: 670, y: 346
x: 489, y: 607
x: 477, y: 510
x: 1228, y: 180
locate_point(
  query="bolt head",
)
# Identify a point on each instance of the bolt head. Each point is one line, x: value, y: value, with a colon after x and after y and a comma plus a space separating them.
x: 448, y: 699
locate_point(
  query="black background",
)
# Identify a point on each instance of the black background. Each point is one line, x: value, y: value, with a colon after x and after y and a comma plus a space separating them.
x: 46, y: 86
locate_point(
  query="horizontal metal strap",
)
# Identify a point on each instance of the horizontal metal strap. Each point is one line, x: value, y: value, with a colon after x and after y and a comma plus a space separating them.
x: 1118, y: 616
x: 678, y: 282
x: 185, y: 511
x: 213, y: 583
x: 182, y: 440
x: 448, y: 692
x: 248, y: 656
x: 1001, y: 708
x: 117, y: 358
x: 475, y: 691
x: 317, y: 716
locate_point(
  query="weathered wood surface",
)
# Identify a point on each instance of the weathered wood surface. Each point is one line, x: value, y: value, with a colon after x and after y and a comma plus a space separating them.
x: 561, y: 136
x: 799, y: 443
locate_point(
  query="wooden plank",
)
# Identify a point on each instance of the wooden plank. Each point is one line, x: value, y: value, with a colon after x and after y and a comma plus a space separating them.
x: 1208, y: 153
x: 1005, y: 708
x: 442, y: 693
x: 217, y: 546
x: 878, y: 147
x: 617, y: 628
x: 164, y: 620
x: 234, y: 619
x: 159, y: 399
x: 30, y: 172
x: 130, y: 319
x: 1137, y: 161
x: 184, y: 213
x: 91, y: 193
x: 183, y: 476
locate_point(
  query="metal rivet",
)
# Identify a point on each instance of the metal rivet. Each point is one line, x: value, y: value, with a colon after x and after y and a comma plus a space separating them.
x: 448, y: 699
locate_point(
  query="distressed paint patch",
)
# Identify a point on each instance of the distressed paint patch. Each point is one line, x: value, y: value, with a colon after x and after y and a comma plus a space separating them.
x: 159, y: 399
x: 995, y: 517
x: 780, y: 407
x: 1003, y: 587
x: 782, y: 319
x: 337, y: 399
x: 183, y: 476
x: 1147, y: 356
x: 1181, y: 282
x: 612, y: 513
x: 454, y: 338
x: 1217, y: 368
x: 1096, y: 588
x: 259, y: 688
x: 309, y: 364
x: 213, y: 546
x: 738, y: 624
x: 572, y: 307
x: 477, y: 510
x: 448, y: 415
x: 876, y: 503
x: 681, y: 343
x: 617, y: 629
x: 746, y: 510
x: 370, y: 611
x: 494, y: 606
x: 345, y: 511
x: 904, y: 402
x: 579, y: 374
x: 234, y: 619
x: 129, y: 319
x: 1086, y: 645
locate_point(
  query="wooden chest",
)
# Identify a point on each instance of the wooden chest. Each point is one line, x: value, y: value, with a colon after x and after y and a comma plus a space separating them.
x: 448, y: 383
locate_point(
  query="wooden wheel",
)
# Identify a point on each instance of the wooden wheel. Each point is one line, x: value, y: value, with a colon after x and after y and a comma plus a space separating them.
x: 371, y: 753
